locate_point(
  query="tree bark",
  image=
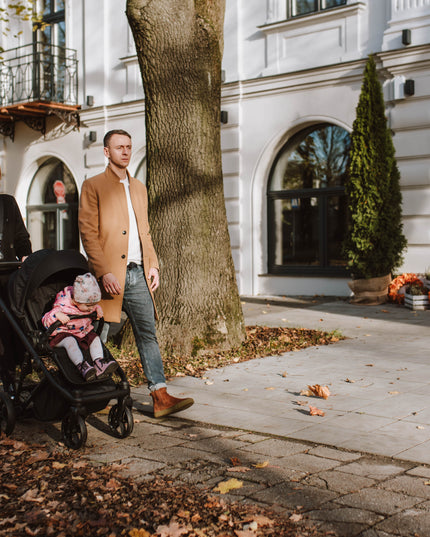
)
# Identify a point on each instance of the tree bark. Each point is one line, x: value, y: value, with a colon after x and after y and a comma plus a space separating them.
x: 179, y: 45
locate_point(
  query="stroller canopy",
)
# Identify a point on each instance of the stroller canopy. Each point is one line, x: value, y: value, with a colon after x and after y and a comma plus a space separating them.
x: 60, y: 266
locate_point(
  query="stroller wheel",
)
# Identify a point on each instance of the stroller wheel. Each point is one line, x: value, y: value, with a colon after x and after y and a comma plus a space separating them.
x: 7, y: 414
x: 120, y: 421
x: 74, y: 431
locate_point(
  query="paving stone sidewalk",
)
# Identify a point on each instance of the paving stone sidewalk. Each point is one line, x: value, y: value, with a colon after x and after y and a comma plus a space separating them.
x: 379, y: 379
x: 344, y: 492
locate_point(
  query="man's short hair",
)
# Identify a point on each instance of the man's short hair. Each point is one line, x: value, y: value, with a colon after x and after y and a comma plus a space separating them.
x: 109, y: 135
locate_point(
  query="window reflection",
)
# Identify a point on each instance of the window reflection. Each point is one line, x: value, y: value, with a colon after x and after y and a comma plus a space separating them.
x: 304, y: 7
x: 301, y: 7
x: 52, y: 208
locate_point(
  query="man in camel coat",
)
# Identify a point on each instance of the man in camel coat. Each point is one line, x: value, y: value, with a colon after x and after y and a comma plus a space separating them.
x: 113, y: 222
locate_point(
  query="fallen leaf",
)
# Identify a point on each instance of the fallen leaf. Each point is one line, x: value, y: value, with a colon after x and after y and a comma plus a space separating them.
x: 113, y: 484
x: 420, y: 427
x: 138, y: 533
x: 320, y: 391
x: 349, y: 380
x: 172, y: 530
x: 38, y: 456
x: 209, y: 382
x: 307, y: 393
x: 301, y: 403
x: 394, y: 392
x: 270, y: 388
x: 285, y: 374
x: 235, y: 461
x: 32, y: 496
x: 226, y: 486
x: 261, y: 520
x: 314, y: 411
x: 261, y: 464
x: 369, y: 365
x: 296, y: 517
x: 183, y: 514
x: 58, y: 465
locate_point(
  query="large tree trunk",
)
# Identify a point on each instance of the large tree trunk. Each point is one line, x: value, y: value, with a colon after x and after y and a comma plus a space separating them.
x: 179, y: 46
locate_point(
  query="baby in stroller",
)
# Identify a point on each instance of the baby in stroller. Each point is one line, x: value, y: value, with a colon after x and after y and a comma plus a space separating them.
x: 75, y: 307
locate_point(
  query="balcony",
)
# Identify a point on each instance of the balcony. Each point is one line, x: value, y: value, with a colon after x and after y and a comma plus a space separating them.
x: 37, y: 81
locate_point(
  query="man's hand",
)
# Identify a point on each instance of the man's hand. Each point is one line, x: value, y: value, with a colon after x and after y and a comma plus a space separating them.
x: 62, y: 317
x: 111, y: 284
x: 154, y: 279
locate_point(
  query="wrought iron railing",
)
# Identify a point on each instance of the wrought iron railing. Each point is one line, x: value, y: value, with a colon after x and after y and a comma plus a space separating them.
x: 38, y: 72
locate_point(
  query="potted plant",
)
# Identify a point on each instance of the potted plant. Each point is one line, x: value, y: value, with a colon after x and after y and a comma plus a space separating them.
x: 374, y: 240
x: 417, y: 296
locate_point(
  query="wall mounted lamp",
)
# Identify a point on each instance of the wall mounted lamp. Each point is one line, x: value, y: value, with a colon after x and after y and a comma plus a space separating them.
x: 90, y: 100
x: 406, y: 37
x: 224, y: 116
x: 409, y: 88
x: 92, y: 136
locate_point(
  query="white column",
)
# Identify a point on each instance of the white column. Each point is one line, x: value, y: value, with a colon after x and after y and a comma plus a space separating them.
x: 276, y: 10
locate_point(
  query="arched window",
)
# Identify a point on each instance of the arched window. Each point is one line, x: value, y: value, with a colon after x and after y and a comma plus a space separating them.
x: 307, y: 203
x: 141, y: 171
x: 52, y: 208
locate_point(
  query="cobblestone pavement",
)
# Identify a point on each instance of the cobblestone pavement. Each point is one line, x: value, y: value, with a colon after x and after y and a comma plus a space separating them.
x: 348, y: 493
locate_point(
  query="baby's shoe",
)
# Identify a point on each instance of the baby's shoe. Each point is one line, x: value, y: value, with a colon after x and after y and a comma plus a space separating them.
x: 87, y: 370
x: 105, y: 367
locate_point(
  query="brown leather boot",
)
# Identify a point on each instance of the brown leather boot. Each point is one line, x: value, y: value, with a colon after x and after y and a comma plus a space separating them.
x: 165, y: 404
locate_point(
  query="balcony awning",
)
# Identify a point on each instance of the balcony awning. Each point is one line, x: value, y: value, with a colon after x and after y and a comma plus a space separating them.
x: 34, y: 115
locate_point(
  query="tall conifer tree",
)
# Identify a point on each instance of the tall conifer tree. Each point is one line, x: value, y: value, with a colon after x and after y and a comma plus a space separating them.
x: 375, y: 240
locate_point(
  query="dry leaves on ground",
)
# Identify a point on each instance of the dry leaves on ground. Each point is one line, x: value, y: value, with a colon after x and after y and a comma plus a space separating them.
x: 54, y: 492
x: 317, y: 390
x: 260, y: 341
x: 314, y: 411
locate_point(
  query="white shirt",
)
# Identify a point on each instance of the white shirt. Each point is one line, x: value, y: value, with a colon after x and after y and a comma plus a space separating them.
x: 134, y: 246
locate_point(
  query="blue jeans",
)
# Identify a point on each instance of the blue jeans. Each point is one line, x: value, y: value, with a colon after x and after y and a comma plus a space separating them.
x: 138, y: 305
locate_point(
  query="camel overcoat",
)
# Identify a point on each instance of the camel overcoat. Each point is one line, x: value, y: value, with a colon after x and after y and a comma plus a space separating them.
x: 104, y: 228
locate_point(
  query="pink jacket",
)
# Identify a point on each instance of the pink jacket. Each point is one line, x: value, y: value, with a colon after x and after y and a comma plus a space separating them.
x: 76, y: 327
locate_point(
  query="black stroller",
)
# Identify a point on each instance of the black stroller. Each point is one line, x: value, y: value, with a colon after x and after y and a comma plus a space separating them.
x: 48, y: 386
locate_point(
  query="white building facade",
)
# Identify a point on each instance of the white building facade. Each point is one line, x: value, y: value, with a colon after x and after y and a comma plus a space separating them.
x: 293, y: 71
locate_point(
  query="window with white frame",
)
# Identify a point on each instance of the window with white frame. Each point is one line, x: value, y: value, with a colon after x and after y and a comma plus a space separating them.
x: 296, y: 8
